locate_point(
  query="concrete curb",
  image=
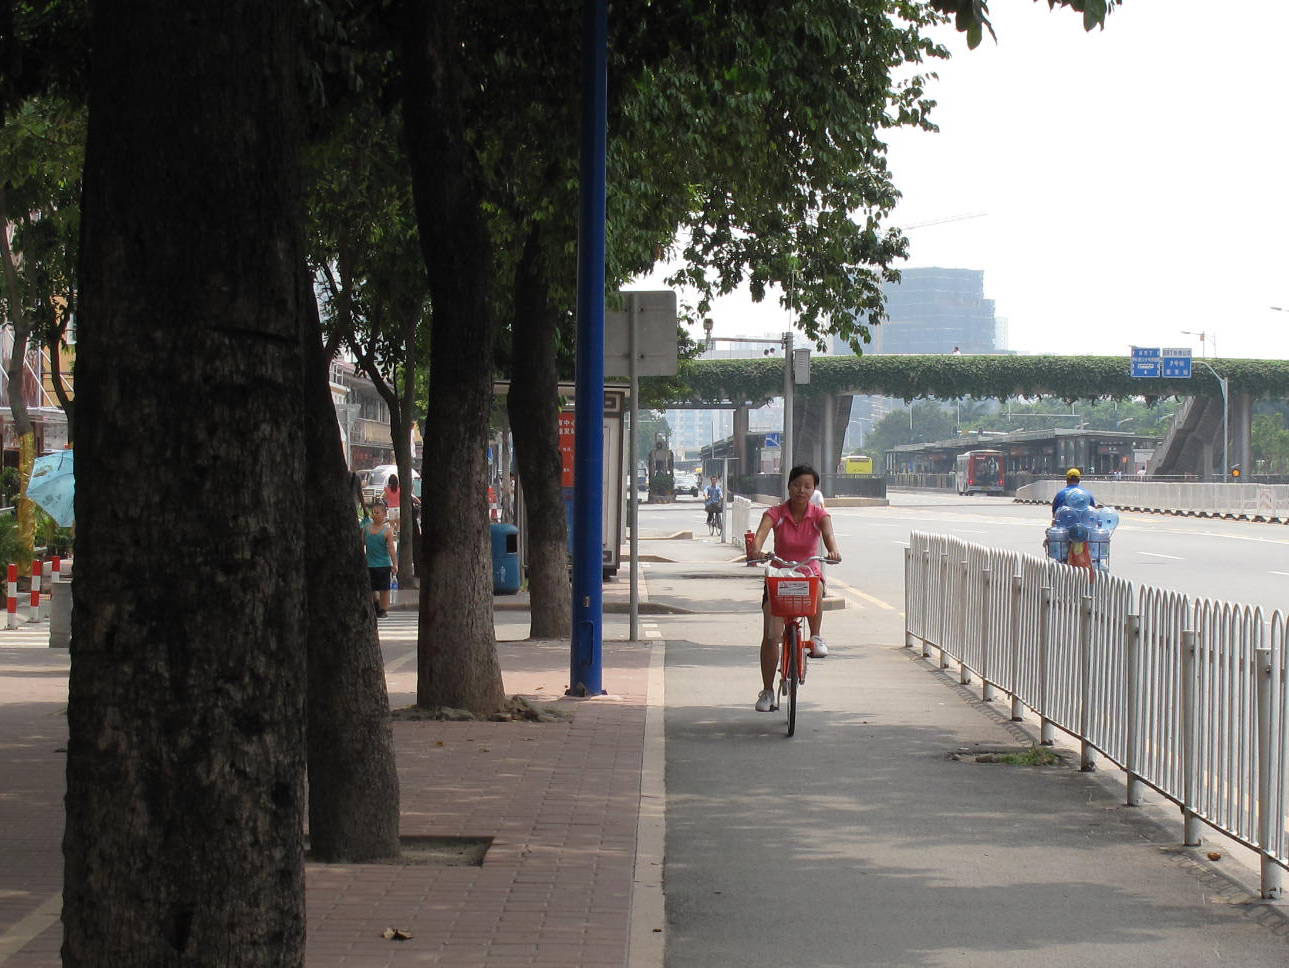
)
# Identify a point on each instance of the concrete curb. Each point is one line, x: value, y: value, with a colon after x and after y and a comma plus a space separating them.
x: 647, y: 941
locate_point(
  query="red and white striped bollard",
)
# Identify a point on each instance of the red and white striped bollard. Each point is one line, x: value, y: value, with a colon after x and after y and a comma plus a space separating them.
x: 34, y: 616
x: 46, y: 599
x: 12, y: 602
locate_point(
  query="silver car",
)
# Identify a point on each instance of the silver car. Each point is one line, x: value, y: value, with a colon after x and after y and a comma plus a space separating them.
x: 374, y: 481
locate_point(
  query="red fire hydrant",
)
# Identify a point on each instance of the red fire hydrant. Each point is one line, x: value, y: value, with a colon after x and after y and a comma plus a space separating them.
x: 749, y: 548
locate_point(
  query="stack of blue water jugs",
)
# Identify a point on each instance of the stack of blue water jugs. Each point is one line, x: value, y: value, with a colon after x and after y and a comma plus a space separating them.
x: 1077, y: 520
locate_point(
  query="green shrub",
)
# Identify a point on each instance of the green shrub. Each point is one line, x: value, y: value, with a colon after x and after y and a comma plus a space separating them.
x: 10, y: 546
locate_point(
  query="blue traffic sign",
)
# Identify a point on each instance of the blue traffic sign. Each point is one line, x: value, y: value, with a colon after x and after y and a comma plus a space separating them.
x: 1177, y: 363
x: 1146, y: 361
x: 1145, y: 368
x: 773, y: 440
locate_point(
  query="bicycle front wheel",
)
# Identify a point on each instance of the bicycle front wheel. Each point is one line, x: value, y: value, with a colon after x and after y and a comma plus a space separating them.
x: 791, y: 643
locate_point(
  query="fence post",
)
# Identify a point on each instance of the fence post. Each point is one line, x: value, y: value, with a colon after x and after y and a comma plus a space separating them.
x: 1272, y: 874
x: 1013, y: 645
x: 964, y: 674
x: 1087, y: 757
x: 986, y: 667
x: 947, y: 616
x: 948, y: 609
x: 1046, y: 730
x: 926, y: 622
x: 1190, y: 822
x: 1132, y: 683
x: 910, y: 597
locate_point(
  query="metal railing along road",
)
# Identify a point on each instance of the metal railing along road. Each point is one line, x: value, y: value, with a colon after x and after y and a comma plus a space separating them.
x: 1190, y: 697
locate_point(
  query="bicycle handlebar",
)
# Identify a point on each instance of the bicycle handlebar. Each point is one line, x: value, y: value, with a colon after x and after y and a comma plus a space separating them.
x: 794, y: 564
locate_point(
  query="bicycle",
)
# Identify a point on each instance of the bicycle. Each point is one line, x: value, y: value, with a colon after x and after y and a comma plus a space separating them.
x: 792, y: 598
x: 715, y: 522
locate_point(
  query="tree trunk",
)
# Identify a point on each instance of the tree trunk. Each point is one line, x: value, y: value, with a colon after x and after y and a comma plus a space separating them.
x: 54, y: 345
x: 353, y: 783
x: 457, y: 651
x: 23, y: 429
x: 403, y: 457
x: 533, y: 405
x: 183, y: 842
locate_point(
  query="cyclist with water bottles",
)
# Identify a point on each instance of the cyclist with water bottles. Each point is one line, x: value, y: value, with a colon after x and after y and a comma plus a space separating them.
x: 798, y: 524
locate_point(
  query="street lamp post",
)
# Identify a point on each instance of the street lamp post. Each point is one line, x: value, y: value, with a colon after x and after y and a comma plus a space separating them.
x: 1203, y: 335
x: 1226, y: 412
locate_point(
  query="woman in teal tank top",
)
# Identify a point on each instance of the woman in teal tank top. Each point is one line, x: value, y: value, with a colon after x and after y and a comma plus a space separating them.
x: 382, y: 559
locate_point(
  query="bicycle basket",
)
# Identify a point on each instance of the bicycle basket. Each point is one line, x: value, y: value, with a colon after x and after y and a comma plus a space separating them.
x: 793, y: 596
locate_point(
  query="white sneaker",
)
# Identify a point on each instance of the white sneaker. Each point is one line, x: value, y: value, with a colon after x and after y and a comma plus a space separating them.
x: 765, y: 701
x: 817, y: 648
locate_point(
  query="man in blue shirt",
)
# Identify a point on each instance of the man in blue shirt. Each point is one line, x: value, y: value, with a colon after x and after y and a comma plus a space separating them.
x: 1072, y: 478
x: 713, y: 499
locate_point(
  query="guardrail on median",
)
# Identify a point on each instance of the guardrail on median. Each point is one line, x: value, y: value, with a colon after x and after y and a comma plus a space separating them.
x: 1189, y: 697
x: 1267, y: 502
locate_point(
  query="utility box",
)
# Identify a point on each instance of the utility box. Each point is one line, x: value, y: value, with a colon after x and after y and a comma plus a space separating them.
x: 506, y: 577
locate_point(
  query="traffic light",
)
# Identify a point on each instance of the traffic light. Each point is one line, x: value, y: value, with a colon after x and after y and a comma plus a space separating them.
x: 1236, y: 472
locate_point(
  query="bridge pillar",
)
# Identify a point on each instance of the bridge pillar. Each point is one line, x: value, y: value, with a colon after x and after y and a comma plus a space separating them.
x: 740, y: 444
x: 1241, y: 430
x: 826, y: 461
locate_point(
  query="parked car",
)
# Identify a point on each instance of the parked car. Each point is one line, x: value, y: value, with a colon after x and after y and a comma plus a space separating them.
x: 374, y: 481
x: 686, y: 483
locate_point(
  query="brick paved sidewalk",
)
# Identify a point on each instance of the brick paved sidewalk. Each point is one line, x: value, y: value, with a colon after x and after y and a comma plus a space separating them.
x: 560, y: 800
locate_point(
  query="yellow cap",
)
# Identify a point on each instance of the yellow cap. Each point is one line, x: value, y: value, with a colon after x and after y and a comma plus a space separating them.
x: 1073, y: 472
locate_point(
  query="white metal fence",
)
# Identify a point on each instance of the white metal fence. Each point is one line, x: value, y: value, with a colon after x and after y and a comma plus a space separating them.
x: 1188, y: 696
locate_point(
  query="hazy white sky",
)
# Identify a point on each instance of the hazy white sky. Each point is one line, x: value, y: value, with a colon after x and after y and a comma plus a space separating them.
x: 1133, y: 179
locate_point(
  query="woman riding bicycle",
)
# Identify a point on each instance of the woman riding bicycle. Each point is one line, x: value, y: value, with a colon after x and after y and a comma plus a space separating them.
x: 797, y: 525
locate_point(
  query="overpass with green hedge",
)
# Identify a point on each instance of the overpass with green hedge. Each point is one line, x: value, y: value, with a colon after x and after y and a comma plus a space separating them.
x: 825, y: 401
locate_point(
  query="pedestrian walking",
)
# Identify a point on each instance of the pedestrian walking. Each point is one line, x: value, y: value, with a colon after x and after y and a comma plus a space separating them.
x: 382, y: 557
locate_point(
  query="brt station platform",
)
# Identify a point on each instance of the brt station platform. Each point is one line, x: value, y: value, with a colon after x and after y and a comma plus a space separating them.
x: 1029, y: 455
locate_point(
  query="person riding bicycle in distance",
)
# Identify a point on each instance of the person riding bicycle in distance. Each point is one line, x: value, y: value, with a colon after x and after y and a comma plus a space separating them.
x: 713, y: 498
x: 797, y: 525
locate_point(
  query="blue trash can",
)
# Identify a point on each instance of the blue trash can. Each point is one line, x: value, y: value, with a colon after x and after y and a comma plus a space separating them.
x: 505, y: 559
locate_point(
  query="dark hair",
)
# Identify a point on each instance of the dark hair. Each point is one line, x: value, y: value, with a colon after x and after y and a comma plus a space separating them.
x: 803, y: 469
x: 392, y: 482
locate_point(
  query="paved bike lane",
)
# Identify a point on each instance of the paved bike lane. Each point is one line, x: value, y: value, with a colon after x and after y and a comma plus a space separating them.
x: 862, y: 841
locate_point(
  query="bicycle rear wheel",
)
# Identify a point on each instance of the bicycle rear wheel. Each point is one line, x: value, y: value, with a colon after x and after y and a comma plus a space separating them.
x: 792, y: 645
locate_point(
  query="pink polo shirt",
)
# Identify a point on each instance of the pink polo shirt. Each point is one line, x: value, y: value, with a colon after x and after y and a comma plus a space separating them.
x: 793, y: 541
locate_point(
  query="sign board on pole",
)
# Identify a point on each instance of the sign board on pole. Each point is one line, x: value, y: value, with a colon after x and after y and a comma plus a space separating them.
x: 1146, y: 361
x: 801, y: 365
x: 774, y: 439
x: 1177, y: 362
x: 655, y: 335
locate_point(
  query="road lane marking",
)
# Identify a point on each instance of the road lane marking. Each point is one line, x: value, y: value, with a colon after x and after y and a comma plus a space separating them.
x: 1285, y: 573
x: 32, y: 926
x: 1156, y: 554
x: 836, y: 583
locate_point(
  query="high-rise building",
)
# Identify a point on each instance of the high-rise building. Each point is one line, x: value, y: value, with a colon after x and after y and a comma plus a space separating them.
x: 935, y: 310
x: 930, y: 310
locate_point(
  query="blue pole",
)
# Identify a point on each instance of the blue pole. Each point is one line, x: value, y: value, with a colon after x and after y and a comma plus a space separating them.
x: 586, y: 668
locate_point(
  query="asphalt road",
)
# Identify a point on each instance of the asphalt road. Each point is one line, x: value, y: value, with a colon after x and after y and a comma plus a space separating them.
x: 1234, y: 561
